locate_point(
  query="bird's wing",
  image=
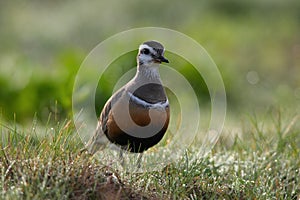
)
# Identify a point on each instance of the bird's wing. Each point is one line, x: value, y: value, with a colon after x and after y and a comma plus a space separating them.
x: 99, y: 139
x: 106, y: 111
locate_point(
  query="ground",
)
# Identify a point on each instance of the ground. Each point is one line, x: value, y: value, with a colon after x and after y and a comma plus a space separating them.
x: 263, y: 164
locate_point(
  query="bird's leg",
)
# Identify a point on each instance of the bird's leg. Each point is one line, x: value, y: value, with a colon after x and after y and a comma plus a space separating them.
x: 121, y: 157
x: 139, y: 160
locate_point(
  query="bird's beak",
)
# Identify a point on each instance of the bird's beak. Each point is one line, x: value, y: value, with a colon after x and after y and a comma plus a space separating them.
x: 163, y: 59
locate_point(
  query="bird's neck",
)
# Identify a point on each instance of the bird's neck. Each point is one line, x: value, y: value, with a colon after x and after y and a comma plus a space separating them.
x: 147, y: 72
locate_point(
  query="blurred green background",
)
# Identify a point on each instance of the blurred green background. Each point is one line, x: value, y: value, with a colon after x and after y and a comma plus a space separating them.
x: 255, y: 44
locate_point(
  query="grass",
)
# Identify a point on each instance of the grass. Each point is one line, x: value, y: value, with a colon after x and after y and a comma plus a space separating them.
x: 46, y: 163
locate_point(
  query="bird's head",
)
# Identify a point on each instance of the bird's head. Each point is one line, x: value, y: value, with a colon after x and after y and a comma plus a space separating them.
x: 151, y: 53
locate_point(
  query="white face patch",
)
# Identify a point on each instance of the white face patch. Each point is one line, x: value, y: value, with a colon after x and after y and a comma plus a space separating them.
x: 145, y: 59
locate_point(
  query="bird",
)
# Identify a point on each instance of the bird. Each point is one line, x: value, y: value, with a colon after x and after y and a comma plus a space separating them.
x: 136, y: 117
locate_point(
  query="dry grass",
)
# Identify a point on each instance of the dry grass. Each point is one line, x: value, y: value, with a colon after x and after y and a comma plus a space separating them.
x: 262, y: 165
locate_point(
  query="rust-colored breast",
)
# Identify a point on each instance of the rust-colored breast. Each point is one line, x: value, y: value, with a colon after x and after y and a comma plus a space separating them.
x: 139, y: 114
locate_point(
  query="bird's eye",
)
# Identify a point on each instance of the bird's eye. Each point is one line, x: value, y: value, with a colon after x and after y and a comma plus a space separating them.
x: 145, y: 51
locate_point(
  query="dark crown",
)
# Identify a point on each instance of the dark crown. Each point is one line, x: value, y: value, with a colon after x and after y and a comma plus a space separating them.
x: 155, y: 45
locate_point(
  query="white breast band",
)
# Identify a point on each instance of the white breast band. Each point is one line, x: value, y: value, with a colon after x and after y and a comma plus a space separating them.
x: 147, y: 104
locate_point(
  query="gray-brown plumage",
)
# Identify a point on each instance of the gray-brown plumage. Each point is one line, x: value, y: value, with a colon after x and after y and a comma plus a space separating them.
x: 136, y: 117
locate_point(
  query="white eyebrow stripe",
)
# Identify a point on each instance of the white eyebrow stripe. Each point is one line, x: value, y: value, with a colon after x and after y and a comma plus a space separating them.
x: 146, y: 104
x: 142, y: 46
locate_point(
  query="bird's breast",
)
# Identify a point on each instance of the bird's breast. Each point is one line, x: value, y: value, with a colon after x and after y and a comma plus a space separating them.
x: 128, y: 117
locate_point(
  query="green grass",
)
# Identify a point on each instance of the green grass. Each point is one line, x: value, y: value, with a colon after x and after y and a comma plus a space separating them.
x: 46, y: 163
